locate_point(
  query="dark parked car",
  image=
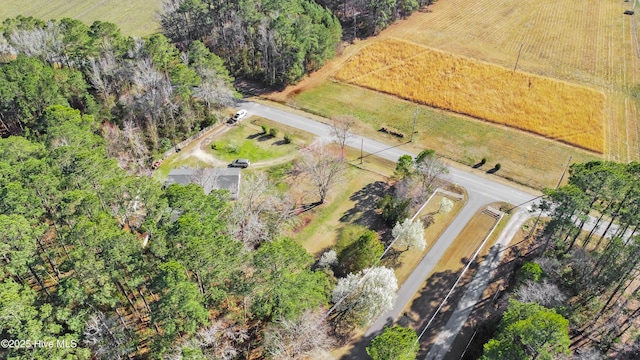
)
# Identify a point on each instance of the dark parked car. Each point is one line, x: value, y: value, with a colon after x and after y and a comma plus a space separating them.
x: 240, y: 163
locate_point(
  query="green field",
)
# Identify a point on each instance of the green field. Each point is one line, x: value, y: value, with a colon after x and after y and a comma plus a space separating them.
x: 135, y: 18
x: 249, y: 142
x: 525, y: 158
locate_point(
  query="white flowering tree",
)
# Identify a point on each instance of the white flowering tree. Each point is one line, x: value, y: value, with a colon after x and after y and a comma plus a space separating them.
x: 446, y: 205
x: 328, y: 259
x: 361, y: 297
x: 409, y: 234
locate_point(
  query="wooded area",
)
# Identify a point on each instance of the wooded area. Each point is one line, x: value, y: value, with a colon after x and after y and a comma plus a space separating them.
x: 579, y: 291
x: 144, y: 93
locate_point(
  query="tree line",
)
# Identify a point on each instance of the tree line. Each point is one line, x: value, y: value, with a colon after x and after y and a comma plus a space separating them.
x: 578, y: 290
x: 278, y: 42
x: 362, y: 18
x: 274, y: 41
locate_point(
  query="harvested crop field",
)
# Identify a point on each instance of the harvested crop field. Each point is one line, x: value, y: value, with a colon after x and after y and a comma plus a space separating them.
x: 588, y: 42
x: 135, y: 18
x: 555, y: 109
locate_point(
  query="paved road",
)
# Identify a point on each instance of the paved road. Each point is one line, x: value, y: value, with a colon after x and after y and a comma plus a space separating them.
x: 474, y: 290
x: 481, y: 191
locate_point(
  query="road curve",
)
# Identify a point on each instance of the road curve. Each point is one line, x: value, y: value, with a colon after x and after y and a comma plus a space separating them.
x: 481, y: 191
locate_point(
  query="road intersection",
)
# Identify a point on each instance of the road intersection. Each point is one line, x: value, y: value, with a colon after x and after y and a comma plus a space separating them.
x: 481, y: 192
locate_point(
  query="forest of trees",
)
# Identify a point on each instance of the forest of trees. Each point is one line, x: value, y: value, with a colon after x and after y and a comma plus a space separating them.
x: 75, y: 268
x: 144, y: 93
x: 364, y: 18
x: 580, y: 292
x: 274, y: 41
x: 96, y: 255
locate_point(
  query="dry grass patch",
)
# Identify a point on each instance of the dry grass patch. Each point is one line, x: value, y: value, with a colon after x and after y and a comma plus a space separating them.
x: 408, y: 260
x: 558, y: 110
x: 466, y: 243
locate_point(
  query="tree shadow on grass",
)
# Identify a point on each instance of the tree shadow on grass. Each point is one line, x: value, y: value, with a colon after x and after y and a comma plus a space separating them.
x: 364, y: 212
x: 279, y: 142
x: 253, y: 136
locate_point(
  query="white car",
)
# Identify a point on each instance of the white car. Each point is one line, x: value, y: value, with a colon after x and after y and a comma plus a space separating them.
x: 239, y: 115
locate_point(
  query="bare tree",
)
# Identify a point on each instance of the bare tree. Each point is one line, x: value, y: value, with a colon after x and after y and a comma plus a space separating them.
x: 304, y: 338
x: 260, y: 213
x: 324, y: 168
x: 44, y: 43
x: 544, y: 293
x: 106, y: 337
x: 428, y: 168
x: 213, y: 90
x: 341, y: 129
x: 217, y: 341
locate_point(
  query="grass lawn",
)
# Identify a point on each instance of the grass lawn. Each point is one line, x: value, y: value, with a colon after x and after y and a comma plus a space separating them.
x: 347, y: 203
x: 299, y: 137
x: 135, y: 18
x: 247, y: 141
x: 525, y: 158
x: 408, y: 260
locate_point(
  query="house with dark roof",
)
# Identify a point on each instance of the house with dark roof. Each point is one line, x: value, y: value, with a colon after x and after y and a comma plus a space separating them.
x: 208, y: 178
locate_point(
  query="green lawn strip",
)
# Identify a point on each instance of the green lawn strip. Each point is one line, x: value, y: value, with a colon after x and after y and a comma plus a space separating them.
x: 300, y: 137
x: 134, y: 18
x: 525, y: 158
x: 321, y: 232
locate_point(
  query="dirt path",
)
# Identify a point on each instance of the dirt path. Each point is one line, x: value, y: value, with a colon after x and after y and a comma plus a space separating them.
x: 197, y: 148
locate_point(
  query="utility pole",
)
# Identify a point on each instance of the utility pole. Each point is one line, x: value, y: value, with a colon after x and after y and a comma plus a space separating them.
x: 564, y: 171
x: 518, y: 58
x: 415, y: 117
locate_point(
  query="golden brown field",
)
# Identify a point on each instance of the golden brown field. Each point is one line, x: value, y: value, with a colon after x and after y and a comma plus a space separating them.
x: 588, y: 42
x: 555, y: 109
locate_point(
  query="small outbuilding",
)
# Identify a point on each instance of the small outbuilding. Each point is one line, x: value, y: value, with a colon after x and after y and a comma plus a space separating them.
x: 208, y: 178
x: 628, y: 12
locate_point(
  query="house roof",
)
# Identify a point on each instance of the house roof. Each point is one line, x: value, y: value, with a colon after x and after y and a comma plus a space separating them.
x: 208, y: 179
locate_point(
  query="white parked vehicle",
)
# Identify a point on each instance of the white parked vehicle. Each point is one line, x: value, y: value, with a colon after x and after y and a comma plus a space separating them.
x: 239, y: 115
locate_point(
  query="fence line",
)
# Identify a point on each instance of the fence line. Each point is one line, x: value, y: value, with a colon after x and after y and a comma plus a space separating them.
x: 186, y: 141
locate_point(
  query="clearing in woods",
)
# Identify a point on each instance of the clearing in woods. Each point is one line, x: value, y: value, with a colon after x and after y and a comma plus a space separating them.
x: 135, y: 18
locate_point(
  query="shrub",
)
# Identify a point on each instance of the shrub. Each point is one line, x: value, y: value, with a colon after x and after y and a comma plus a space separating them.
x: 363, y: 253
x: 265, y: 129
x: 273, y: 132
x: 288, y: 138
x: 530, y: 271
x: 231, y: 148
x: 394, y: 209
x: 498, y: 166
x: 483, y: 161
x: 348, y: 235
